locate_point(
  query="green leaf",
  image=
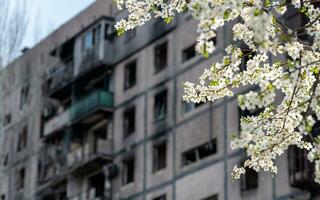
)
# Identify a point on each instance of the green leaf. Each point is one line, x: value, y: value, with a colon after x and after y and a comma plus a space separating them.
x: 270, y: 87
x: 226, y: 14
x: 303, y: 9
x: 214, y: 83
x: 309, y: 128
x: 120, y: 31
x: 257, y: 12
x: 268, y: 3
x: 168, y: 19
x: 226, y: 61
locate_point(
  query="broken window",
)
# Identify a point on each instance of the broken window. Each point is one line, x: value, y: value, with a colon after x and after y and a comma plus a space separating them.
x: 161, y: 197
x: 7, y: 119
x: 188, y: 53
x: 160, y: 106
x: 159, y: 156
x: 249, y: 180
x: 199, y: 152
x: 20, y: 179
x: 128, y: 171
x: 160, y: 56
x: 22, y: 139
x: 24, y: 96
x: 129, y: 121
x: 130, y: 74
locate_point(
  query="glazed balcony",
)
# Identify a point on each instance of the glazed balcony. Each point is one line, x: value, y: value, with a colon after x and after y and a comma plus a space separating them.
x: 89, y: 157
x: 93, y: 107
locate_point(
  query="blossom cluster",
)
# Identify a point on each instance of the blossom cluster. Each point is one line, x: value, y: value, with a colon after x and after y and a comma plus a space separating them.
x: 283, y: 62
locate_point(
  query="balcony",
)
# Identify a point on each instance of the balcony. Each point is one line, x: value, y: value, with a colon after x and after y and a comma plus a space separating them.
x: 89, y: 158
x: 92, y: 107
x: 57, y: 123
x: 53, y: 166
x: 59, y: 76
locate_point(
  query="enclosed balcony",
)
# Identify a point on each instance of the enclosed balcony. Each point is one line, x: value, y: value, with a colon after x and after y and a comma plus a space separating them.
x: 89, y: 157
x: 93, y: 107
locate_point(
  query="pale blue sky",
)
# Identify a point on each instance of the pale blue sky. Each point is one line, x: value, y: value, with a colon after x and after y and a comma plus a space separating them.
x: 48, y: 15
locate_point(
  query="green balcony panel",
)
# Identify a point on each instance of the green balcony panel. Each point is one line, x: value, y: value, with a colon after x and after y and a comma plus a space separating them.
x: 99, y: 99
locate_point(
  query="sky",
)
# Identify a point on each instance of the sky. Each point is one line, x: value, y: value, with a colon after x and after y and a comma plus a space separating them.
x: 47, y: 15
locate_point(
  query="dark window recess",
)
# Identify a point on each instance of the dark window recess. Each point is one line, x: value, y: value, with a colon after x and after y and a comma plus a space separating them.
x: 160, y: 106
x: 3, y: 197
x: 128, y: 171
x: 130, y: 74
x: 301, y: 171
x: 249, y: 180
x: 199, y: 152
x: 97, y: 183
x: 161, y: 56
x: 24, y: 96
x: 7, y: 119
x: 188, y: 107
x: 161, y: 197
x: 212, y: 197
x: 246, y: 56
x: 20, y: 179
x: 159, y: 156
x: 129, y: 121
x: 188, y: 53
x: 249, y: 113
x: 22, y: 139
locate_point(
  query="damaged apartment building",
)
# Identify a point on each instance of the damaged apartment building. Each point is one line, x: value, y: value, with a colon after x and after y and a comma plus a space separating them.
x: 87, y: 115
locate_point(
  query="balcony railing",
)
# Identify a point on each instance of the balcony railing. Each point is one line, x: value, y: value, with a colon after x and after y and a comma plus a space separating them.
x: 81, y: 159
x: 56, y: 123
x: 91, y: 103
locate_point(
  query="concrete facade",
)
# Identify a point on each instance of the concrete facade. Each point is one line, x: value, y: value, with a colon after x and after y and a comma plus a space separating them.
x: 66, y: 151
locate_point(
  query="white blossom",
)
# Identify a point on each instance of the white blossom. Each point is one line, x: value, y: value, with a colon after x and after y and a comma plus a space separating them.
x: 293, y: 79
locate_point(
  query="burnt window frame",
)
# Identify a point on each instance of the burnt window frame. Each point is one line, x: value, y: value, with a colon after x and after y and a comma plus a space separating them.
x: 129, y: 121
x: 129, y: 79
x: 161, y: 56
